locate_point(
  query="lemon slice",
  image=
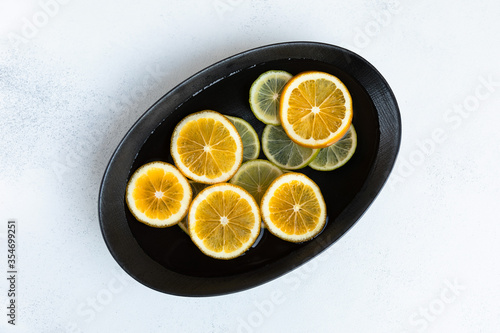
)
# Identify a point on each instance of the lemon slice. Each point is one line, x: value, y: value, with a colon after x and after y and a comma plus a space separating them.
x: 249, y: 138
x: 158, y: 195
x: 196, y: 188
x: 315, y: 109
x: 224, y: 221
x: 338, y: 154
x: 256, y: 176
x: 283, y: 152
x: 293, y: 208
x: 265, y: 95
x: 206, y: 147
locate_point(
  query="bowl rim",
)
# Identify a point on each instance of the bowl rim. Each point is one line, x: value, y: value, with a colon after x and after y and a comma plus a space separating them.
x: 132, y: 258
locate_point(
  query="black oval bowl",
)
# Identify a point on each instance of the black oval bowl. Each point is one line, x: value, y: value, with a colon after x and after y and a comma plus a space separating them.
x: 166, y: 259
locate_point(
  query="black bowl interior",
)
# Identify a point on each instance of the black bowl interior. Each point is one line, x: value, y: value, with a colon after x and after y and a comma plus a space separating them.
x: 173, y: 249
x: 166, y: 259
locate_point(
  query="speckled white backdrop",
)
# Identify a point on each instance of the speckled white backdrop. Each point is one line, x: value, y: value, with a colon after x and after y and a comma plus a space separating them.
x: 75, y: 75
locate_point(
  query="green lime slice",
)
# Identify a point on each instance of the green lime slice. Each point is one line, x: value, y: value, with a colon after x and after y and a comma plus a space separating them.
x: 283, y: 152
x: 197, y: 187
x: 255, y: 177
x: 250, y: 139
x: 336, y: 155
x: 265, y: 95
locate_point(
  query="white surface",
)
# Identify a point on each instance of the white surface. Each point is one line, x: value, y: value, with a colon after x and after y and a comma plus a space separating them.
x: 435, y: 223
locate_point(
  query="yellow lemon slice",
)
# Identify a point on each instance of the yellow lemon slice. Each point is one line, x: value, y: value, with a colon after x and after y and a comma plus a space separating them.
x: 206, y: 147
x: 293, y: 208
x: 158, y: 195
x: 315, y: 109
x: 224, y: 221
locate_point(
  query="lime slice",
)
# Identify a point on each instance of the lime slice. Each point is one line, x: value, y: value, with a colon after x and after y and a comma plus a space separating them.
x: 250, y: 139
x: 255, y: 177
x: 283, y: 152
x: 336, y: 155
x: 196, y: 187
x: 265, y: 95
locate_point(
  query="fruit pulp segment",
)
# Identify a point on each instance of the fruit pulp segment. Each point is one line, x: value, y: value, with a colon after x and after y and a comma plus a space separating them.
x: 269, y: 95
x: 206, y: 147
x: 282, y: 151
x: 294, y: 208
x: 224, y: 221
x: 316, y: 109
x: 257, y: 179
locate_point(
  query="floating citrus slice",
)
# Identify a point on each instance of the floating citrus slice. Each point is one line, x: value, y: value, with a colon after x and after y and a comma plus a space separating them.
x: 265, y: 95
x: 224, y: 221
x: 249, y: 138
x: 336, y: 155
x: 158, y: 195
x: 283, y: 152
x: 256, y: 176
x: 315, y: 109
x: 206, y: 147
x: 293, y: 208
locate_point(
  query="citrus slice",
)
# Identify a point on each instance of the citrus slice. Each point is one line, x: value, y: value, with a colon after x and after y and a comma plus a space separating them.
x: 256, y: 176
x: 158, y: 195
x: 293, y: 208
x: 249, y: 138
x: 283, y: 152
x: 224, y: 221
x: 265, y: 96
x: 206, y: 147
x: 196, y: 188
x: 338, y: 154
x: 315, y: 109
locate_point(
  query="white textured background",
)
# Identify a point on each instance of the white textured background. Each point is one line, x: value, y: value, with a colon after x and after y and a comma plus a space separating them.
x: 75, y: 75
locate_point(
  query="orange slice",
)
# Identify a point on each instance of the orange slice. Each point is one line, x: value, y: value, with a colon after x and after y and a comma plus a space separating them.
x: 293, y: 208
x: 158, y: 194
x: 224, y: 221
x: 206, y: 147
x: 315, y: 109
